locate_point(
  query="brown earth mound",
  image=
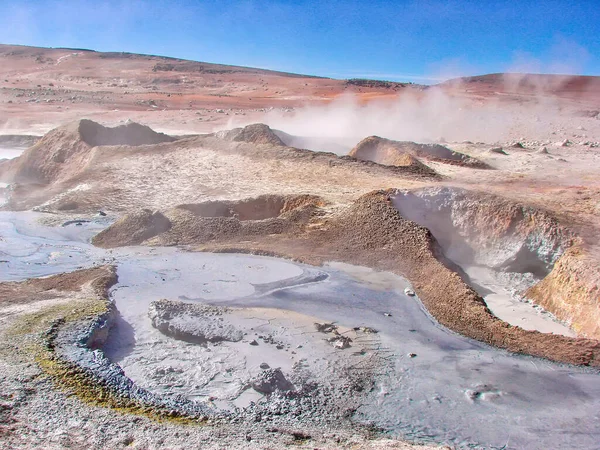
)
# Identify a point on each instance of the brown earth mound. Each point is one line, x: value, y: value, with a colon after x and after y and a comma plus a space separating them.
x: 395, y: 153
x: 281, y: 151
x: 392, y: 157
x: 213, y: 220
x: 132, y: 229
x: 64, y: 172
x: 50, y: 159
x: 20, y: 292
x: 373, y: 233
x: 66, y: 151
x: 132, y: 134
x: 256, y: 133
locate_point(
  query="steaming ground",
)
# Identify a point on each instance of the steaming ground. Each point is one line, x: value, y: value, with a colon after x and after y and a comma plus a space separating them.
x: 454, y: 390
x: 428, y: 384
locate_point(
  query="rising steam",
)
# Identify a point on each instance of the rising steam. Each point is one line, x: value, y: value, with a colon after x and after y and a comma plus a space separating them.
x: 422, y: 115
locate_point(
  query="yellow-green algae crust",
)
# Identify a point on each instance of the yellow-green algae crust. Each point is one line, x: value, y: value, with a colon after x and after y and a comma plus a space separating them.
x: 38, y: 331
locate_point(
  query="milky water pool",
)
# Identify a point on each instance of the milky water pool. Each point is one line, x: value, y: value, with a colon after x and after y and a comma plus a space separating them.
x: 430, y: 384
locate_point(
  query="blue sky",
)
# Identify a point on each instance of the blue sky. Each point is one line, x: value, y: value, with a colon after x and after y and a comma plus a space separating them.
x: 420, y: 41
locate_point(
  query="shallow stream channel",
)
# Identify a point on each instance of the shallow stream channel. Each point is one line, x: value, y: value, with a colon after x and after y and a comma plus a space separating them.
x: 422, y: 381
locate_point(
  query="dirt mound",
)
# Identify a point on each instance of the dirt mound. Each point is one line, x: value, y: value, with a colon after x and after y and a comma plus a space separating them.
x: 59, y: 153
x: 203, y: 222
x: 131, y: 133
x: 67, y: 150
x: 64, y: 172
x: 133, y: 229
x: 35, y: 289
x: 259, y: 208
x: 401, y: 153
x: 257, y: 133
x: 388, y: 156
x: 317, y: 158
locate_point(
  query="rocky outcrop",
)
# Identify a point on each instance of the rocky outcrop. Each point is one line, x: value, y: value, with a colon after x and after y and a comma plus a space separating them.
x: 399, y: 153
x: 271, y: 380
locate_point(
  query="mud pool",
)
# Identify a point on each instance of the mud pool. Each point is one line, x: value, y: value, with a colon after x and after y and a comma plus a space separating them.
x: 429, y: 384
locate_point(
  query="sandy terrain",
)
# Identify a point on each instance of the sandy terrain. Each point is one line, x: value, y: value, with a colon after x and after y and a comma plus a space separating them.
x: 480, y: 195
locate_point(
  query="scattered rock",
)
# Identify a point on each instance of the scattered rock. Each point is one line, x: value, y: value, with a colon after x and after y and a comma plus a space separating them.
x: 566, y: 143
x: 367, y: 330
x: 271, y: 380
x: 412, y: 355
x: 387, y: 314
x: 409, y: 292
x: 264, y: 366
x: 543, y: 150
x: 325, y: 327
x: 253, y: 342
x: 517, y: 145
x: 340, y: 341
